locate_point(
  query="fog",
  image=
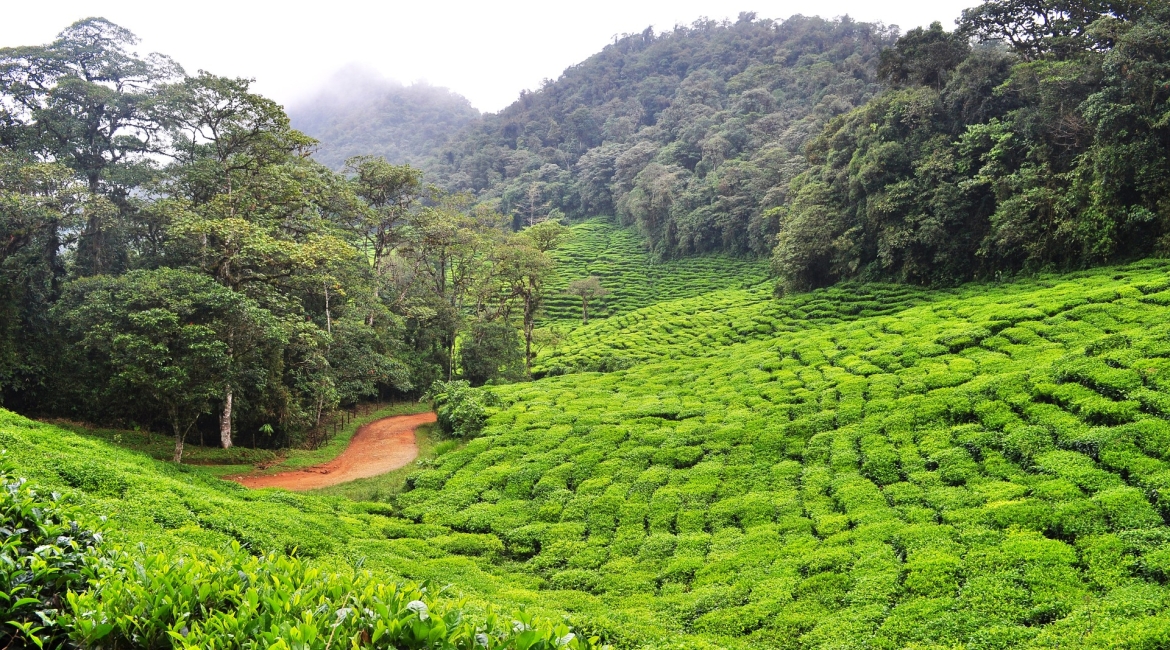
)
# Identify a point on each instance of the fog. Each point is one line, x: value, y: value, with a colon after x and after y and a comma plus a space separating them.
x: 486, y: 51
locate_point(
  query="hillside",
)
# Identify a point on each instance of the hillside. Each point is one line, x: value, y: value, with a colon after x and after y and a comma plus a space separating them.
x: 690, y: 134
x: 984, y: 467
x: 618, y: 257
x: 357, y: 113
x: 175, y: 526
x: 934, y: 419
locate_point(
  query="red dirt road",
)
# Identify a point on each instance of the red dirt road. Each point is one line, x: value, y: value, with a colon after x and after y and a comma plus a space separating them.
x: 378, y: 447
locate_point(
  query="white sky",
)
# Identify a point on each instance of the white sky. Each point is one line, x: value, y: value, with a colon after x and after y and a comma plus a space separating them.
x: 488, y: 51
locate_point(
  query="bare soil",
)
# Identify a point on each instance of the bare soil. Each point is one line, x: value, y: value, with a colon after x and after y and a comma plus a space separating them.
x: 379, y: 447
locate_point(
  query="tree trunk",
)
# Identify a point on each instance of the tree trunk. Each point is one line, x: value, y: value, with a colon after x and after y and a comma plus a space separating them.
x: 584, y: 311
x: 329, y: 316
x: 225, y: 419
x: 178, y: 458
x: 529, y: 325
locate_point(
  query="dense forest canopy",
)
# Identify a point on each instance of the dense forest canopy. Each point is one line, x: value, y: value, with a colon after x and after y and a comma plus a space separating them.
x: 1035, y: 135
x: 691, y: 134
x: 357, y: 113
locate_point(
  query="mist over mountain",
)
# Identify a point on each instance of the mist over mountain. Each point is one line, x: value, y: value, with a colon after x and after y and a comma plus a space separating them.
x: 358, y: 112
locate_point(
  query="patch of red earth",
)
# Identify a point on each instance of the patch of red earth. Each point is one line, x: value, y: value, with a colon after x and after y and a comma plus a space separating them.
x: 378, y: 447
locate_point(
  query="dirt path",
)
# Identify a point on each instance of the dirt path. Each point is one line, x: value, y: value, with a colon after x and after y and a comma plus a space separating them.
x: 378, y: 447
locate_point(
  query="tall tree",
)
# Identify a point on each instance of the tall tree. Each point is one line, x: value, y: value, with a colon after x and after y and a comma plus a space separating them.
x: 526, y: 270
x: 161, y: 335
x: 587, y: 289
x: 244, y: 206
x: 388, y: 192
x: 85, y: 100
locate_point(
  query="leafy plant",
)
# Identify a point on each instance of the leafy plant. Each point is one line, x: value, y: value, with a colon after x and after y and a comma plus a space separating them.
x: 44, y: 556
x: 461, y: 409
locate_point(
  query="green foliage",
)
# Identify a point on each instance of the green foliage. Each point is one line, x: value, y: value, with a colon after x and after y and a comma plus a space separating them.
x: 191, y: 561
x: 691, y: 135
x: 461, y: 410
x: 492, y: 350
x: 971, y: 467
x: 982, y: 466
x: 618, y: 258
x: 276, y: 601
x: 237, y: 283
x: 44, y: 557
x: 703, y: 325
x: 989, y: 160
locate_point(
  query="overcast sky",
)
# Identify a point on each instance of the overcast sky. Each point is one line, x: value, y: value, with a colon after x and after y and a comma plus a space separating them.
x: 488, y: 51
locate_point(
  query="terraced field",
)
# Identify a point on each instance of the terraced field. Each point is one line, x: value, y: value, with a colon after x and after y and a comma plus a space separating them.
x: 710, y: 322
x: 990, y: 469
x: 617, y: 256
x: 862, y: 467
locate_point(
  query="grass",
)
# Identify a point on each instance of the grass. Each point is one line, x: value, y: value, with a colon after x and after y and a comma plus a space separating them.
x: 870, y: 466
x: 617, y: 256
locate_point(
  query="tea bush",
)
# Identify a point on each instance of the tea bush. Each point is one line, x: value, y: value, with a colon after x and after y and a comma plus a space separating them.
x: 863, y: 466
x: 460, y: 410
x: 236, y: 599
x: 983, y: 467
x: 44, y: 555
x: 618, y: 257
x: 191, y: 561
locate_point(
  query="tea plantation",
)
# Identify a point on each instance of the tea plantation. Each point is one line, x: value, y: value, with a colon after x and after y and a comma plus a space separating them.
x: 867, y: 466
x: 617, y: 256
x: 989, y: 469
x: 715, y: 320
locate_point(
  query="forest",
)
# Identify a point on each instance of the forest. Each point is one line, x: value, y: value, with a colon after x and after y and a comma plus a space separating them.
x: 793, y: 334
x: 171, y: 249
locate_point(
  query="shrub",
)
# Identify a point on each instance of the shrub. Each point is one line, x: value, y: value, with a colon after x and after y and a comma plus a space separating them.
x: 235, y: 599
x: 461, y: 410
x: 44, y: 555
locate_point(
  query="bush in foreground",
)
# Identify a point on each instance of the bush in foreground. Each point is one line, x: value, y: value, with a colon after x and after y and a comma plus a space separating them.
x: 44, y: 555
x: 61, y: 586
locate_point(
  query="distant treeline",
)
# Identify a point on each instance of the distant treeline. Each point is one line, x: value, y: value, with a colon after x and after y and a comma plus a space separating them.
x: 356, y: 114
x: 1036, y: 134
x: 692, y: 134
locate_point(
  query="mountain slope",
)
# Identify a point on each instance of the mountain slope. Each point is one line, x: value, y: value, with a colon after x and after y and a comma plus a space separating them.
x: 358, y: 113
x: 691, y: 134
x: 985, y: 467
x: 618, y: 257
x: 989, y: 469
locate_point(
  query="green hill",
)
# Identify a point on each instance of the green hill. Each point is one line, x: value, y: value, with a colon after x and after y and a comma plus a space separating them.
x: 983, y: 467
x: 181, y: 535
x: 359, y: 113
x: 985, y: 470
x: 618, y: 257
x: 711, y: 321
